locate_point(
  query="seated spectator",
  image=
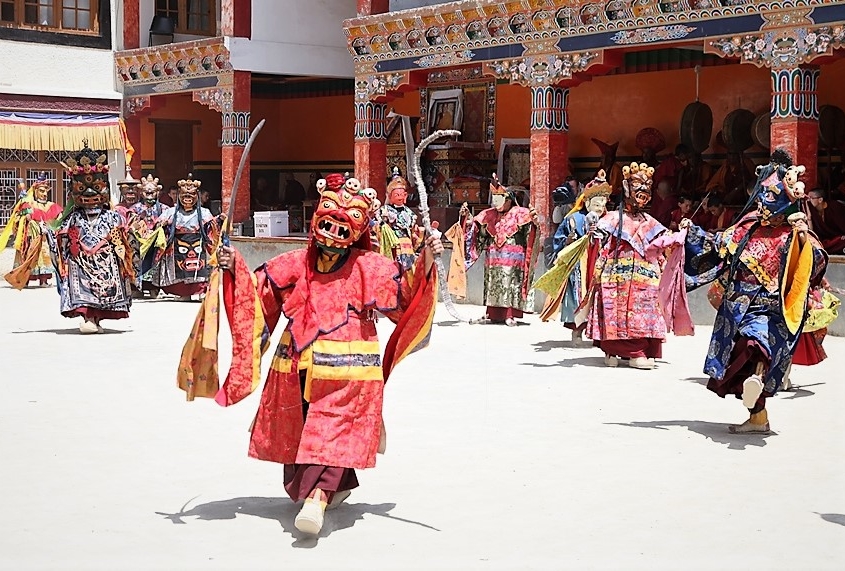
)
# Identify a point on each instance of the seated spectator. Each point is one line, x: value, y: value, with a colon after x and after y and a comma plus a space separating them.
x: 676, y: 170
x: 684, y: 210
x: 720, y: 216
x: 828, y: 218
x: 732, y: 178
x: 663, y: 202
x: 168, y: 198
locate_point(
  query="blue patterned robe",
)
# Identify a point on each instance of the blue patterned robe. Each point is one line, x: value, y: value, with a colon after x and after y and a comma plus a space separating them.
x: 749, y: 261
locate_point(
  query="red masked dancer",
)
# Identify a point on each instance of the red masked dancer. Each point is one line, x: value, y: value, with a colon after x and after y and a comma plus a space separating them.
x: 320, y: 411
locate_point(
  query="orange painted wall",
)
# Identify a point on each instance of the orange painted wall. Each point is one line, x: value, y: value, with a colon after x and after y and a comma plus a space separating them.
x: 319, y: 128
x: 513, y: 112
x: 316, y: 129
x: 181, y: 107
x: 615, y: 108
x: 407, y: 104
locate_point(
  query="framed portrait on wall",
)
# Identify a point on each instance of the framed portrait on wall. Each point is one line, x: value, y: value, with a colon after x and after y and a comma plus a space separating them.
x: 514, y: 166
x: 445, y: 109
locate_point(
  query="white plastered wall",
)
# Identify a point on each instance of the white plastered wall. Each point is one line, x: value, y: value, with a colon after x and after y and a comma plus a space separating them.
x: 293, y: 37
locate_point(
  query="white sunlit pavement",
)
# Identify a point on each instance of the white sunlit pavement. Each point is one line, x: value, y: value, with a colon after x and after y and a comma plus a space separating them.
x: 507, y: 449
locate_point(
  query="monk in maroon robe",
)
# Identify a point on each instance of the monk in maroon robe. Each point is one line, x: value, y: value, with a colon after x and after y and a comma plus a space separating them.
x: 828, y: 218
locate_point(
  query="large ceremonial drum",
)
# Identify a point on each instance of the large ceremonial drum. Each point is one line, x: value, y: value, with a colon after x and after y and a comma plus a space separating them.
x: 697, y: 126
x: 736, y: 130
x: 761, y: 130
x: 831, y: 127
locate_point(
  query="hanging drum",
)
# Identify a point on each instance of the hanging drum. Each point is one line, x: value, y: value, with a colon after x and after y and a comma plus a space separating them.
x: 761, y: 130
x: 736, y: 130
x: 831, y: 127
x: 697, y: 126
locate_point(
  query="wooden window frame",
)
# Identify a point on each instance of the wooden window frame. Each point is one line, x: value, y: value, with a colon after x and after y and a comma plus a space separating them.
x: 58, y: 7
x: 182, y: 19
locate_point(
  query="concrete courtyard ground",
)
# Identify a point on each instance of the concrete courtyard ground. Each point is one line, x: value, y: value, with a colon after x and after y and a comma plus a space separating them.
x: 507, y: 449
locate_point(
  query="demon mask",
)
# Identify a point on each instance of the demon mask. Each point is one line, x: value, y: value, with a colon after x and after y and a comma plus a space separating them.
x: 342, y: 215
x: 189, y: 193
x: 637, y: 185
x: 89, y: 174
x: 149, y: 189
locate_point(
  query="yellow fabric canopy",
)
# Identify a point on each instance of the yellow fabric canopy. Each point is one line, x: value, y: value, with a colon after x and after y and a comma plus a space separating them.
x: 35, y: 137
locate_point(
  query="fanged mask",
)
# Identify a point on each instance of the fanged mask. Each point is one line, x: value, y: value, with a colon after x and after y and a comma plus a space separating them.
x: 89, y: 173
x: 343, y: 213
x: 128, y: 193
x: 189, y: 193
x: 637, y: 184
x: 150, y: 189
x: 188, y: 198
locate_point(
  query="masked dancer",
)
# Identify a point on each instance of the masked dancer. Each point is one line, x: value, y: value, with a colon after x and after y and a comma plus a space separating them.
x: 181, y: 265
x: 28, y: 222
x: 624, y: 317
x: 93, y: 251
x: 399, y: 237
x: 507, y: 233
x: 581, y: 221
x: 320, y: 411
x: 764, y: 266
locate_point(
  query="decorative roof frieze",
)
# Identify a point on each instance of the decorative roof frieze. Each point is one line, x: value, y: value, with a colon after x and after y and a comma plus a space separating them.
x: 172, y: 64
x: 472, y: 25
x: 780, y: 48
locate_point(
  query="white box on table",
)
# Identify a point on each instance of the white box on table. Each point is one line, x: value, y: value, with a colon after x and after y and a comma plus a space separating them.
x: 271, y: 223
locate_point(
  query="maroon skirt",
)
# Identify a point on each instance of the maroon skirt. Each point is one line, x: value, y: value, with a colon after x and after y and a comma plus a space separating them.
x: 809, y: 350
x: 649, y: 347
x: 92, y: 314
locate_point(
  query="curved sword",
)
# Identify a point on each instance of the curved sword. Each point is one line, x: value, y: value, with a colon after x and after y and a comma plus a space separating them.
x: 227, y: 225
x: 426, y: 218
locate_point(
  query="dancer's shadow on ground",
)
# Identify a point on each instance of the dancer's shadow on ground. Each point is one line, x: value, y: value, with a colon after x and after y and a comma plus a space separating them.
x: 546, y: 346
x: 447, y: 323
x: 710, y: 430
x: 568, y: 363
x: 699, y: 380
x: 799, y: 391
x: 283, y: 510
x: 838, y: 519
x: 72, y: 331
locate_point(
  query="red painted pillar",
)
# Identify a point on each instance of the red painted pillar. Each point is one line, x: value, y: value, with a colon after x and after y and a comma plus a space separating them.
x: 236, y: 130
x: 131, y: 25
x: 371, y: 145
x: 236, y: 18
x: 549, y: 148
x: 795, y: 117
x: 373, y: 7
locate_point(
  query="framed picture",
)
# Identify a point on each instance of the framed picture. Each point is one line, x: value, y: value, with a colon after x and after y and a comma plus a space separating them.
x: 514, y: 166
x: 445, y: 109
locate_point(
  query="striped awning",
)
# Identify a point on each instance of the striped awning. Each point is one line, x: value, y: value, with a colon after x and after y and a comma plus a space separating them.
x: 35, y: 131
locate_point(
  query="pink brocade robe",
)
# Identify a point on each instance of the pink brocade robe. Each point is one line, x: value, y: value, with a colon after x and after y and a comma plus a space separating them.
x: 331, y: 336
x: 624, y: 302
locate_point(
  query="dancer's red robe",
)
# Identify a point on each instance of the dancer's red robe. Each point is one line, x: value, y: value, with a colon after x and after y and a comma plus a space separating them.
x: 331, y: 335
